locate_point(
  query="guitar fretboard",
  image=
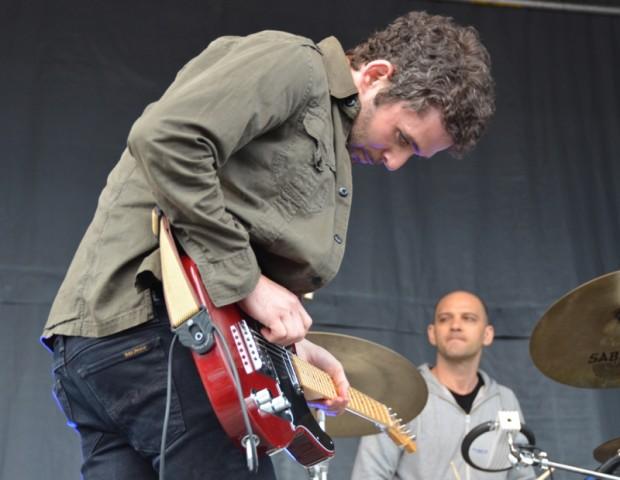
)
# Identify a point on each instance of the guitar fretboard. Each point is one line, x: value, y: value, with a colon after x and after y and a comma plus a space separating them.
x: 319, y: 384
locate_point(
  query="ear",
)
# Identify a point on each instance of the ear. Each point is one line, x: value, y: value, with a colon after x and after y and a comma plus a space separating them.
x: 489, y: 334
x: 430, y: 331
x: 376, y: 71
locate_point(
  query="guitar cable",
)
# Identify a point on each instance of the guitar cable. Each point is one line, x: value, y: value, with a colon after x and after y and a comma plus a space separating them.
x: 249, y: 442
x: 162, y: 447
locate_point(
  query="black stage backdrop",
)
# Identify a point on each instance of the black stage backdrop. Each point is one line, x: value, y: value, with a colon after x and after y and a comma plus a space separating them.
x: 530, y: 215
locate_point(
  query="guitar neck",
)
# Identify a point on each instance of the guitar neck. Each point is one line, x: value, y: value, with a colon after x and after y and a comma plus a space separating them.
x: 318, y: 384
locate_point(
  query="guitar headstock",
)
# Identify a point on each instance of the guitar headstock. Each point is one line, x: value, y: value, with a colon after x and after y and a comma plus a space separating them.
x: 401, y: 436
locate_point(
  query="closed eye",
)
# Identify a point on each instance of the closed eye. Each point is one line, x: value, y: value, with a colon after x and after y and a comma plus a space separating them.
x: 402, y: 140
x: 405, y: 141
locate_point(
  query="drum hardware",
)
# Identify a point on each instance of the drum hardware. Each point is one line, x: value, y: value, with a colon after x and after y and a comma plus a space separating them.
x: 319, y: 471
x: 490, y: 446
x: 540, y: 459
x: 499, y: 445
x: 546, y: 474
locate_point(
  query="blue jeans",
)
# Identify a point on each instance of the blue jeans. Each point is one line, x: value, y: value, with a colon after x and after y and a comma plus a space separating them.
x: 113, y: 391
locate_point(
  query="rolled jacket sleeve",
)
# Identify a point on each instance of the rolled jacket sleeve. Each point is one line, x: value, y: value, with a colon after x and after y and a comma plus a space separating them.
x: 232, y: 93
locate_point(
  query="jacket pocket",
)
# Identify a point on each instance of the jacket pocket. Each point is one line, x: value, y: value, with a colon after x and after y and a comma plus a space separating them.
x: 305, y: 173
x: 318, y: 127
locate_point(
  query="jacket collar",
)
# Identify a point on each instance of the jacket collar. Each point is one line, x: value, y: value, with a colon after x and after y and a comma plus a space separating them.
x: 338, y: 70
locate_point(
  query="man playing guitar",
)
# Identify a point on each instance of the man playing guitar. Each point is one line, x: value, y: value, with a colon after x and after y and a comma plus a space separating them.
x: 248, y: 153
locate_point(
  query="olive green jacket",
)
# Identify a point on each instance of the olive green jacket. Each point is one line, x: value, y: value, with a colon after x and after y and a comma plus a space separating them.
x: 245, y: 153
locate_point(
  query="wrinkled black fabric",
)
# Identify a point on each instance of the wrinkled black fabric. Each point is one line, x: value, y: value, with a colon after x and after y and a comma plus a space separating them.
x: 113, y: 392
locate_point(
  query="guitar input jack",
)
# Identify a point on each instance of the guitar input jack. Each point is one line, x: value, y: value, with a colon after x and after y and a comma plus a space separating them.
x: 250, y: 443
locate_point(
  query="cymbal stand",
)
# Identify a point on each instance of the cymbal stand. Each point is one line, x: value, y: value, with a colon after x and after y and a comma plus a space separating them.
x: 319, y: 471
x: 528, y: 457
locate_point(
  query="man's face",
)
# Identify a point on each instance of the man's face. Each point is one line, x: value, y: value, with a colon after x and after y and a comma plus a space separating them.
x: 391, y: 133
x: 460, y: 328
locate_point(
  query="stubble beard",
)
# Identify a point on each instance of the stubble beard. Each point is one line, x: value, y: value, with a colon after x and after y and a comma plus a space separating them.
x: 458, y: 355
x: 358, y: 138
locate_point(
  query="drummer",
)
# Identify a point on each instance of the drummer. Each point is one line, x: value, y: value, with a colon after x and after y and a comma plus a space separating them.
x: 461, y: 396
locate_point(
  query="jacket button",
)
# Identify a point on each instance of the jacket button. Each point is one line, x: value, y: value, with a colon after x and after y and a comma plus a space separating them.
x: 351, y: 101
x: 343, y: 192
x: 337, y: 239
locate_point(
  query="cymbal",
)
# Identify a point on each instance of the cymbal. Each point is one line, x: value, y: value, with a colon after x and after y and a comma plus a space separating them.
x: 606, y: 450
x: 378, y: 372
x: 577, y: 341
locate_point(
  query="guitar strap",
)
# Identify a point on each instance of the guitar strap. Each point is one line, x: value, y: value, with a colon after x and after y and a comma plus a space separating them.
x: 187, y: 316
x: 181, y: 301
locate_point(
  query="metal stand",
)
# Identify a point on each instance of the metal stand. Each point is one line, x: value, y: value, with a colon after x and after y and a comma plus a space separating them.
x: 319, y: 471
x: 526, y: 457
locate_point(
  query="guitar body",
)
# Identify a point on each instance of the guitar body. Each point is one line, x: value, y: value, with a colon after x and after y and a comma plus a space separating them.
x: 277, y: 409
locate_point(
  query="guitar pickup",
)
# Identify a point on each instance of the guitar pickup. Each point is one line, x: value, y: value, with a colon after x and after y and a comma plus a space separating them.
x: 246, y: 346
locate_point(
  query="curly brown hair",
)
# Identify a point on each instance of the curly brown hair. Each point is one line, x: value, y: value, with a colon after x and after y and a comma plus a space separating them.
x: 440, y: 64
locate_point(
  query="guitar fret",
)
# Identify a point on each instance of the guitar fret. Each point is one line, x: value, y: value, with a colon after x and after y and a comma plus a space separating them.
x: 362, y: 409
x: 364, y: 403
x: 316, y: 381
x: 369, y: 407
x: 354, y: 401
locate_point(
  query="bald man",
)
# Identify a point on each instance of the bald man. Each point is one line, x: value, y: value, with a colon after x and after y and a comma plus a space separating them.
x: 461, y: 396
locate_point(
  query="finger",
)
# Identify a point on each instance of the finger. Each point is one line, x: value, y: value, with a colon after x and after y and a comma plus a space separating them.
x: 341, y: 383
x: 331, y: 407
x: 306, y: 319
x: 290, y: 330
x: 342, y: 388
x: 276, y: 332
x: 295, y: 329
x: 326, y: 406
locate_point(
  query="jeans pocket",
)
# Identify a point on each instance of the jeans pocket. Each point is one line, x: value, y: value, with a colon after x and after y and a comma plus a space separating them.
x: 62, y: 400
x: 129, y: 380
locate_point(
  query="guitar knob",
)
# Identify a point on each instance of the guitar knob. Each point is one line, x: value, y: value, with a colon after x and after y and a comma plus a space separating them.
x: 279, y: 406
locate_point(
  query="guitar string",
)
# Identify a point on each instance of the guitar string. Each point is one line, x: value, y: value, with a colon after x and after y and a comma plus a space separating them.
x: 280, y: 356
x: 281, y: 351
x: 366, y: 403
x: 363, y: 403
x: 283, y: 354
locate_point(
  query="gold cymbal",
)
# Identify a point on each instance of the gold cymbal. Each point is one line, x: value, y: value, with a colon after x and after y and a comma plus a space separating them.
x: 378, y: 372
x: 606, y: 450
x: 577, y: 341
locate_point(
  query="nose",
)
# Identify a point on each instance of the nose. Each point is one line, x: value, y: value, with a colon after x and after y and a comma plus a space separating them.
x: 455, y: 324
x: 394, y: 160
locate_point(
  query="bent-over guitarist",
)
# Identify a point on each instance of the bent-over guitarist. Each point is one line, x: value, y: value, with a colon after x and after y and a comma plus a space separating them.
x: 248, y: 153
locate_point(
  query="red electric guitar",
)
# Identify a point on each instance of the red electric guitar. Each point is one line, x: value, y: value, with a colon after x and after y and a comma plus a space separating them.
x: 273, y: 382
